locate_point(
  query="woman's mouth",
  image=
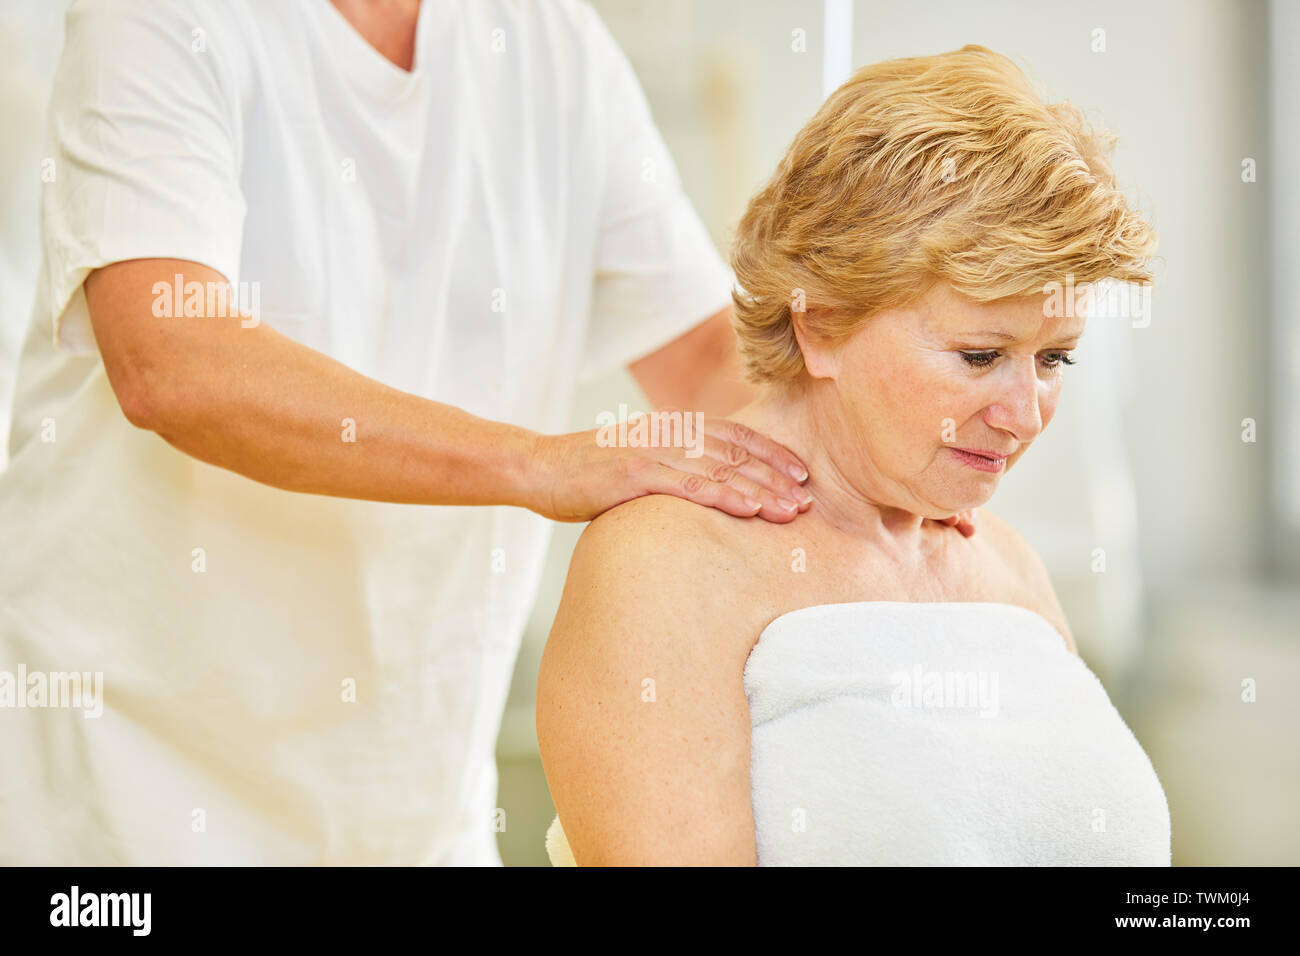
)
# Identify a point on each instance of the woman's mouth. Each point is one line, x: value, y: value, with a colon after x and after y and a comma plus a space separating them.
x: 979, y: 461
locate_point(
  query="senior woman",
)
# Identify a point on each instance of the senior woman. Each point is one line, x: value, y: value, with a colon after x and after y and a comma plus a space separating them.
x: 867, y: 685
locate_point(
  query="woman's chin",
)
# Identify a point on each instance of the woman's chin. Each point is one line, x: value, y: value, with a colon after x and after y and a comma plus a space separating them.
x: 966, y: 503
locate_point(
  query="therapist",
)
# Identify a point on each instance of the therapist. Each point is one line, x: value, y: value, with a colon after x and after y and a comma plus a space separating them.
x: 442, y: 217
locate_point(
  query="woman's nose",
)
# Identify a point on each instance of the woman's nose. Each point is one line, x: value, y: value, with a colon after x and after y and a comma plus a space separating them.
x: 1018, y: 404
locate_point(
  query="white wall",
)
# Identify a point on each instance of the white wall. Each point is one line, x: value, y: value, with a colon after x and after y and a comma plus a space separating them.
x: 1283, y: 179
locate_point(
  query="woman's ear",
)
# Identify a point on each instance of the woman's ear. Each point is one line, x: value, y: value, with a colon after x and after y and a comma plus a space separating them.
x: 821, y: 356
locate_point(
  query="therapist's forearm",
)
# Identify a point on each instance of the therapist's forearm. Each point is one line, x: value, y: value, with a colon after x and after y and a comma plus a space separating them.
x: 273, y: 410
x: 701, y: 370
x: 725, y: 390
x: 237, y: 394
x: 256, y: 402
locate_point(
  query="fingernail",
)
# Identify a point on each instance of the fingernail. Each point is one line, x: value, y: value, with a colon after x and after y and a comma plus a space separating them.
x: 753, y: 504
x: 786, y: 504
x: 798, y: 474
x: 803, y: 495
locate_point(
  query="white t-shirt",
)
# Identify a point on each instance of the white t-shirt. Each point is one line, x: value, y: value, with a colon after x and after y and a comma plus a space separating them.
x: 487, y: 231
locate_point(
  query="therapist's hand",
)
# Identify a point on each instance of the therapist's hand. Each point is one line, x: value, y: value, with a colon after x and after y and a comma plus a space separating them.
x: 738, y: 471
x: 963, y: 521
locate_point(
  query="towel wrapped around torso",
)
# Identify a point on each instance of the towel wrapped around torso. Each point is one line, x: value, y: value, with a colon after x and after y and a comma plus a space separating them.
x: 904, y: 733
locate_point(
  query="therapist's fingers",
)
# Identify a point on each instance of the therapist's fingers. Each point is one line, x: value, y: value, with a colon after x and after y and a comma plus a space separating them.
x: 577, y: 476
x: 775, y: 469
x: 733, y: 455
x: 963, y: 521
x: 758, y: 448
x: 666, y: 480
x: 781, y: 497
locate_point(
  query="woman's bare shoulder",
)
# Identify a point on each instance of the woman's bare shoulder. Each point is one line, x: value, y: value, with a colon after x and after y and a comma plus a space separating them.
x: 1006, y: 541
x: 661, y: 528
x: 648, y: 617
x: 1025, y: 562
x: 671, y: 557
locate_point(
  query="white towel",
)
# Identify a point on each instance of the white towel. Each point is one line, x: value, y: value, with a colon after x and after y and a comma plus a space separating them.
x: 952, y: 733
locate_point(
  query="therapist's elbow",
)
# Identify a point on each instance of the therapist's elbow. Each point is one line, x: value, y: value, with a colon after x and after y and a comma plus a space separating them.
x: 172, y: 406
x: 148, y: 399
x: 154, y: 369
x: 140, y: 393
x: 142, y: 406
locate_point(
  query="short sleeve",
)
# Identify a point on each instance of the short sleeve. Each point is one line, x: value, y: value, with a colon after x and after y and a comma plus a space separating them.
x: 658, y: 274
x: 145, y: 150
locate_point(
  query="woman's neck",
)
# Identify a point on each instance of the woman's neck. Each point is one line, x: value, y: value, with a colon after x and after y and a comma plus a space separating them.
x: 806, y: 419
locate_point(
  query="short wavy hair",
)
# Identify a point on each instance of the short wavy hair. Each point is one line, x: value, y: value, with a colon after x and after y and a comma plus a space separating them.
x: 925, y: 169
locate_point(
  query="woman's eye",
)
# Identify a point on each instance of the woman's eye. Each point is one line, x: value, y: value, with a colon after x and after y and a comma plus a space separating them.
x: 1058, y: 359
x: 984, y: 359
x: 979, y: 359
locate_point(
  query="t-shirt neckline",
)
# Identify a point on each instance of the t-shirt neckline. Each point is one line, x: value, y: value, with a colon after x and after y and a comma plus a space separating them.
x: 367, y: 64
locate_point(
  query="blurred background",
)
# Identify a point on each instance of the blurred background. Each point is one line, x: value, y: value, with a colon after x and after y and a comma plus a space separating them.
x: 1165, y: 496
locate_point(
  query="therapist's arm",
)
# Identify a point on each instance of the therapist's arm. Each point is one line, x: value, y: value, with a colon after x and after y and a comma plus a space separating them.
x: 258, y: 403
x: 698, y: 371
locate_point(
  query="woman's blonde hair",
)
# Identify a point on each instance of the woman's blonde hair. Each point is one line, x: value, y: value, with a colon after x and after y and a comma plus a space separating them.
x: 924, y: 169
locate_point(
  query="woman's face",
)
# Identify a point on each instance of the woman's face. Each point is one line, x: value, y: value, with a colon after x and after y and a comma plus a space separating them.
x: 916, y: 384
